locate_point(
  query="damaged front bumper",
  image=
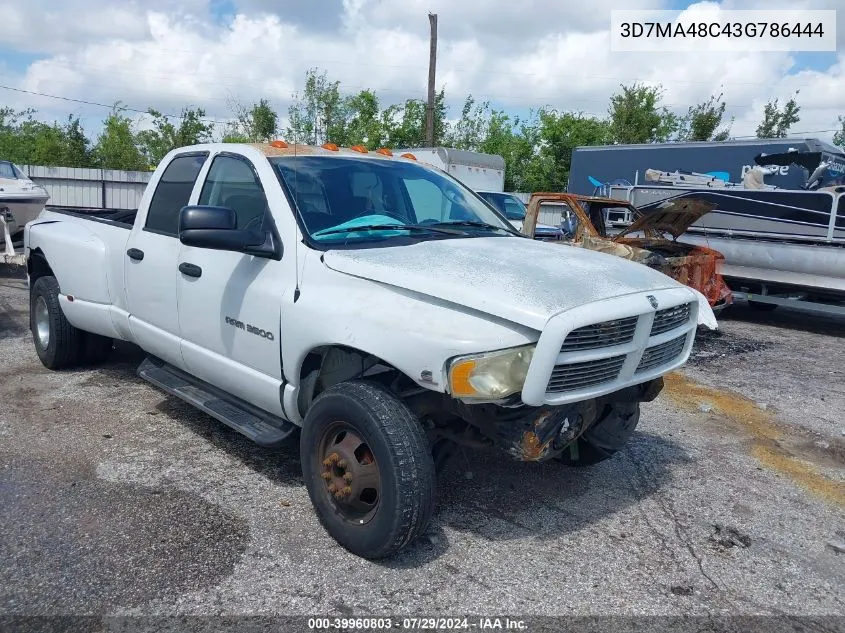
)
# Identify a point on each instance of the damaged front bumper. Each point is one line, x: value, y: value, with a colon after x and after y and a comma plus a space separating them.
x: 536, y: 434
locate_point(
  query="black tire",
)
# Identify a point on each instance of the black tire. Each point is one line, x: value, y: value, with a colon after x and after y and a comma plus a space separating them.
x: 605, y: 437
x: 402, y: 456
x: 96, y: 348
x: 762, y: 307
x: 64, y: 346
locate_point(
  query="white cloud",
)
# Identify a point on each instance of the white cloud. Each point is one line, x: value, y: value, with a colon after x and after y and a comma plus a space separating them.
x: 518, y: 55
x: 47, y: 26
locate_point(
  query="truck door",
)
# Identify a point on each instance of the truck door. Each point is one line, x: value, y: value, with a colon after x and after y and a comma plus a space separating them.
x: 230, y: 303
x: 151, y: 268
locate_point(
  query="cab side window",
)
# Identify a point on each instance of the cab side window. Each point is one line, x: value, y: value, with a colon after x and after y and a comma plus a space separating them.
x: 172, y: 193
x: 233, y: 183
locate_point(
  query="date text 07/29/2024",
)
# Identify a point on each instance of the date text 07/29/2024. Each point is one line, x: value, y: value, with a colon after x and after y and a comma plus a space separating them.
x: 420, y: 624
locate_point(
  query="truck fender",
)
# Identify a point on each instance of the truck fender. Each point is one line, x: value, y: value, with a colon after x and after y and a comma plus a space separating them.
x: 373, y: 320
x: 64, y: 245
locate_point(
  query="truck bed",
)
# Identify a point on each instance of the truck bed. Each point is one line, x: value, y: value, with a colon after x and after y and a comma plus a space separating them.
x: 122, y: 218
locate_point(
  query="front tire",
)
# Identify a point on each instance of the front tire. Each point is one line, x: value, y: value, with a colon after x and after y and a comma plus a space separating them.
x: 367, y: 468
x: 57, y: 343
x: 605, y: 437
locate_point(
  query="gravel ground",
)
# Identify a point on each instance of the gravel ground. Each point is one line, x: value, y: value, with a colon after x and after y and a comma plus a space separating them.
x: 730, y: 499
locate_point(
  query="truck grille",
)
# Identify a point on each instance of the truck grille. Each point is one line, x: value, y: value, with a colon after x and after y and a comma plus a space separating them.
x: 670, y: 318
x: 585, y: 374
x: 606, y: 334
x: 661, y: 354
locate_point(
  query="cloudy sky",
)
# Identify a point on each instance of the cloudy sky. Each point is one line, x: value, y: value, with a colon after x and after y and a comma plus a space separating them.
x: 516, y: 54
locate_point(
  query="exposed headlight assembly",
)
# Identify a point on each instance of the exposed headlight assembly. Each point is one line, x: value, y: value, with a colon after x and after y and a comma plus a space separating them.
x: 490, y: 376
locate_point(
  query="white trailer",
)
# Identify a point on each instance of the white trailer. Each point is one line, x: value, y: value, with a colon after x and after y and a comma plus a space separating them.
x: 478, y: 171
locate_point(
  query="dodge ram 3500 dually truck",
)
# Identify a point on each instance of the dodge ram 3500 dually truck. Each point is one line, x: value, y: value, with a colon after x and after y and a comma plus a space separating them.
x: 374, y: 305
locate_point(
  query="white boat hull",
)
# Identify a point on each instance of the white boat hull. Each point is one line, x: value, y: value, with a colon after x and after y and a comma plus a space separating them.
x: 811, y: 265
x: 21, y: 209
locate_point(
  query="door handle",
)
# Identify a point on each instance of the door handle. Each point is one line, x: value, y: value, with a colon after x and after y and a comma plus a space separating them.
x: 136, y: 254
x: 192, y: 270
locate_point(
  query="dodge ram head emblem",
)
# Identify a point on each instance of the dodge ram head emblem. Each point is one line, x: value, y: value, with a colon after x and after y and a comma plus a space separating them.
x: 653, y: 301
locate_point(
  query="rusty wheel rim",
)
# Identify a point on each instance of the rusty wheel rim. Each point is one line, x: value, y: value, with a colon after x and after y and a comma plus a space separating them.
x: 350, y: 475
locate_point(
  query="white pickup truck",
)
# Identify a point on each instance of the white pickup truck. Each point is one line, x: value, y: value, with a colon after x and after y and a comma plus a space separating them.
x: 375, y: 305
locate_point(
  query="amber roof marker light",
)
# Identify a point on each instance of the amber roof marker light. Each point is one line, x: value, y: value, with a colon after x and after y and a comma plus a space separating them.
x: 409, y: 156
x: 278, y: 144
x: 330, y: 146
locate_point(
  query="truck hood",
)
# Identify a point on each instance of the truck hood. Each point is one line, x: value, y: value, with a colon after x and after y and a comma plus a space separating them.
x: 673, y: 216
x: 518, y: 279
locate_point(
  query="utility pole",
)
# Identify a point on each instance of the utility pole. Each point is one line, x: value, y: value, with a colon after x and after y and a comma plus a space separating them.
x: 432, y: 63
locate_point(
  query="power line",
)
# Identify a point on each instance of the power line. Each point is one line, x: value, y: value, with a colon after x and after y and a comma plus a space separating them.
x: 237, y: 83
x: 102, y: 105
x: 794, y: 133
x: 548, y: 99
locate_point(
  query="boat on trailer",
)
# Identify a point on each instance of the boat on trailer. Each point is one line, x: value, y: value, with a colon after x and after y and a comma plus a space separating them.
x: 21, y: 200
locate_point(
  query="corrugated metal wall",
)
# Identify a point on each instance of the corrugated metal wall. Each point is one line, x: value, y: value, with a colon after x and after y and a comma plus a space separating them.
x: 90, y: 188
x: 551, y: 213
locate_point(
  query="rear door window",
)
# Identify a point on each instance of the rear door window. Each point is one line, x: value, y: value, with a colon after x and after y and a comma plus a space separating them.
x: 173, y: 192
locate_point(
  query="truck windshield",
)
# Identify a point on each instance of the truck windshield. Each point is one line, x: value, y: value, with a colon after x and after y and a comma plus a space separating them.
x: 353, y: 200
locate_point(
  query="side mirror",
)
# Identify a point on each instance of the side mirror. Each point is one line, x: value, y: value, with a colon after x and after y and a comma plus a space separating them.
x: 217, y: 228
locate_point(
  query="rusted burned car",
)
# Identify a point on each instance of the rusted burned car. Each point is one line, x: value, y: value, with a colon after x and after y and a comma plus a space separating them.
x: 582, y: 219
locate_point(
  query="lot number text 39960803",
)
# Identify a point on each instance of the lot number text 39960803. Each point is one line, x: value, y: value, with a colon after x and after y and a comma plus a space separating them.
x: 419, y: 624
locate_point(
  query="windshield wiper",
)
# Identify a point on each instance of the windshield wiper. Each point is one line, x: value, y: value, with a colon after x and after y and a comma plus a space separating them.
x: 474, y: 223
x: 386, y: 227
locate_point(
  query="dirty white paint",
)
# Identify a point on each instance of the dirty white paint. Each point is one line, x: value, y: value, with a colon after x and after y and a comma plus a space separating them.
x: 518, y: 279
x: 414, y: 306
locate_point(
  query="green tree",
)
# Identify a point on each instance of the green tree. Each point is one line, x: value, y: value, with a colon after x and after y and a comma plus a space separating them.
x: 256, y: 123
x: 77, y: 145
x: 405, y: 124
x: 839, y: 135
x: 165, y: 136
x: 264, y: 121
x: 12, y: 146
x: 515, y: 142
x: 560, y: 134
x: 116, y: 146
x: 44, y: 143
x: 318, y: 115
x: 364, y: 123
x: 637, y: 117
x: 23, y: 139
x: 776, y: 121
x: 471, y: 129
x: 702, y: 121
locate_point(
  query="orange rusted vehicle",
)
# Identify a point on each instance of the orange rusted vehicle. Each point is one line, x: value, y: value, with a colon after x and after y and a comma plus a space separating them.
x: 583, y: 220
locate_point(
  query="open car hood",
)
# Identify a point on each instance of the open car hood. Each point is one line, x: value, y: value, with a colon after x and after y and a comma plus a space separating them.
x: 672, y: 216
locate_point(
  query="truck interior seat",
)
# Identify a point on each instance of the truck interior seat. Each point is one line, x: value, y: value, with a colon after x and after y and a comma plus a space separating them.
x: 248, y: 205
